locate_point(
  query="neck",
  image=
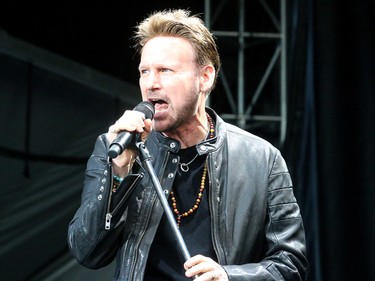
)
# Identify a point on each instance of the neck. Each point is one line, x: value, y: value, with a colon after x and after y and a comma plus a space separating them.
x: 192, y: 132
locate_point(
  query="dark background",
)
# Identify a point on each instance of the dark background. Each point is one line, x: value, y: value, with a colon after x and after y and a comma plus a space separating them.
x: 329, y: 145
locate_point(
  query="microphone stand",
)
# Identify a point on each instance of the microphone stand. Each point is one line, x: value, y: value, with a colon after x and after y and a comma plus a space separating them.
x: 146, y: 160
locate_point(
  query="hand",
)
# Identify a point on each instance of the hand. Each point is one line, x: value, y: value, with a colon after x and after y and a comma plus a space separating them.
x: 131, y: 121
x: 204, y: 267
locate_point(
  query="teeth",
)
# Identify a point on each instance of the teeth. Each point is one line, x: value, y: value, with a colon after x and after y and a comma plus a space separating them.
x: 156, y: 100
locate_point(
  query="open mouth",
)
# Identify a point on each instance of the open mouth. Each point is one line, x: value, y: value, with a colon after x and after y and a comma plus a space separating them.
x: 159, y: 104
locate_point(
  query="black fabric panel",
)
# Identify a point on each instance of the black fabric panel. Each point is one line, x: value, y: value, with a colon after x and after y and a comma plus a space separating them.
x: 344, y: 46
x: 330, y: 144
x: 48, y: 126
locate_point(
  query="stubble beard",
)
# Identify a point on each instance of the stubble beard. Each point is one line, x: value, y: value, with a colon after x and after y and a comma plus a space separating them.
x: 177, y: 118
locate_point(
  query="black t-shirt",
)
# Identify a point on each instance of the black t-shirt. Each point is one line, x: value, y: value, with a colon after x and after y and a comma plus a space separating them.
x: 165, y: 261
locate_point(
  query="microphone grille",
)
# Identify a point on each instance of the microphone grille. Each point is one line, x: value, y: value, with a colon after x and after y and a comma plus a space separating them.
x: 147, y: 108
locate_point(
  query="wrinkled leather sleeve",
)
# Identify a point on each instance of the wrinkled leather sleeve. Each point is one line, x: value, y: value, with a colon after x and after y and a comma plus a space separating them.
x: 89, y: 242
x: 285, y: 257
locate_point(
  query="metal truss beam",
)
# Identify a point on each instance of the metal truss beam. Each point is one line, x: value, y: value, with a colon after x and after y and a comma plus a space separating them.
x: 241, y: 102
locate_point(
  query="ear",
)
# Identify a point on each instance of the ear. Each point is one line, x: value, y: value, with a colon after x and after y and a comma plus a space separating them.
x: 207, y: 77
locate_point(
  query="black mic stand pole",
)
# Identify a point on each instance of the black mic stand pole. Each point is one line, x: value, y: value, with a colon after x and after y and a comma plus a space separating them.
x: 145, y: 157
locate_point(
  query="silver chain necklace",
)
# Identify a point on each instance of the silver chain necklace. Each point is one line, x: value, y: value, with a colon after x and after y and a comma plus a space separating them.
x: 210, y: 134
x: 185, y: 166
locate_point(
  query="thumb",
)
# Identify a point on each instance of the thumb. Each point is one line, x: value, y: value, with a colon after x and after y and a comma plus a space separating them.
x: 146, y: 130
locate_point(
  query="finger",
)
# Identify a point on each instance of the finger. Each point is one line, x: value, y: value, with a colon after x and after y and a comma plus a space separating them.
x: 148, y: 125
x: 205, y: 276
x: 212, y: 275
x: 127, y: 125
x: 193, y: 261
x: 112, y: 129
x: 199, y: 265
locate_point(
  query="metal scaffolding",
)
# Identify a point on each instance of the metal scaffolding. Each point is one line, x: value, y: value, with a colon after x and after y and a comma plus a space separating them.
x: 241, y: 108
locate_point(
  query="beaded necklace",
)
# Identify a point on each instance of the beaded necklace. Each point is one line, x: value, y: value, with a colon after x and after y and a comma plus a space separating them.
x: 201, y: 189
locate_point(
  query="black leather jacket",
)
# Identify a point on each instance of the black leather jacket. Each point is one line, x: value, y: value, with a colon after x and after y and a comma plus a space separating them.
x: 257, y: 230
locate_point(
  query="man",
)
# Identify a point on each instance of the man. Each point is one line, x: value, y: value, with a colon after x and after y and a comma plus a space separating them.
x: 230, y: 190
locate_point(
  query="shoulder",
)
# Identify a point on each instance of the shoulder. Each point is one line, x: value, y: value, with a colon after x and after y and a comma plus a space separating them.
x: 235, y: 136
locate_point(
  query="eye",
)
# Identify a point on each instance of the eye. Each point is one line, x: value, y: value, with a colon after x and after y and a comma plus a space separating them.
x: 166, y: 70
x: 143, y: 71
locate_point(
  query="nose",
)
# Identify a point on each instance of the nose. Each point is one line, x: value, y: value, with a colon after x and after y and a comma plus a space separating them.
x: 153, y: 80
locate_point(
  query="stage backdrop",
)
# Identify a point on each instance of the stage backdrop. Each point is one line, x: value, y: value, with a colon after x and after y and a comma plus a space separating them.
x: 51, y: 111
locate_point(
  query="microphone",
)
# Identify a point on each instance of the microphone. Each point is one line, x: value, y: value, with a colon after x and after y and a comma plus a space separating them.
x: 124, y: 139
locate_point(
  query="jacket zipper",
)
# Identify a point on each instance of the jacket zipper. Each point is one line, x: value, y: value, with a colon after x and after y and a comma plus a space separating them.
x: 109, y: 215
x: 135, y: 259
x: 213, y: 212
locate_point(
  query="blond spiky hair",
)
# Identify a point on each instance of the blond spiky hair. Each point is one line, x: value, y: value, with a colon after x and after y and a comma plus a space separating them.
x: 179, y: 23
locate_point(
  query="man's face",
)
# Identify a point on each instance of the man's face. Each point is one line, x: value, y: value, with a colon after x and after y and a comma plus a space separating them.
x: 169, y: 78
